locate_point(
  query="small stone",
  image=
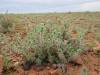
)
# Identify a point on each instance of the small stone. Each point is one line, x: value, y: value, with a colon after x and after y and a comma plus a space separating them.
x: 16, y: 64
x: 48, y: 68
x: 54, y: 66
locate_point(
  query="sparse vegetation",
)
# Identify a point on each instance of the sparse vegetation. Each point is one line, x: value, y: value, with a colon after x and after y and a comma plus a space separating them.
x: 4, y: 52
x: 41, y: 39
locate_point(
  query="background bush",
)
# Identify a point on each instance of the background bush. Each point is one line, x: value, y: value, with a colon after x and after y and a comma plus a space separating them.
x: 6, y: 23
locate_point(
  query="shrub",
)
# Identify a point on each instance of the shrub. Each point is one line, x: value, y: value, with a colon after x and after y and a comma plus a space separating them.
x: 98, y: 37
x: 1, y: 37
x: 85, y: 71
x: 98, y: 53
x: 6, y: 23
x: 4, y: 52
x: 48, y: 43
x: 6, y: 63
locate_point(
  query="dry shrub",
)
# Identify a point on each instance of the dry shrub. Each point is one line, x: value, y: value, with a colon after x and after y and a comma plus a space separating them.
x: 49, y: 43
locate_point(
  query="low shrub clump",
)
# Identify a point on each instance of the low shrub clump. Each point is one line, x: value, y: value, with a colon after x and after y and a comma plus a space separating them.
x: 4, y: 52
x: 49, y: 43
x: 6, y: 23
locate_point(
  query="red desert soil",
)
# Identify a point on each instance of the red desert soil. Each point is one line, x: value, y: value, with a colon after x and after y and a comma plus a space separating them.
x: 88, y: 59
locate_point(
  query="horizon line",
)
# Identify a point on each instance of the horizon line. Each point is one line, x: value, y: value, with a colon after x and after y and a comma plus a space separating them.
x: 48, y: 12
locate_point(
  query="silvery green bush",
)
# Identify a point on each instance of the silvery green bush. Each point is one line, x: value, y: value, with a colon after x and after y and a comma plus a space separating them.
x: 49, y: 43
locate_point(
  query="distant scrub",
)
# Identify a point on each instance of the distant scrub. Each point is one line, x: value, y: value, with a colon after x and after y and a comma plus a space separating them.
x: 6, y: 23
